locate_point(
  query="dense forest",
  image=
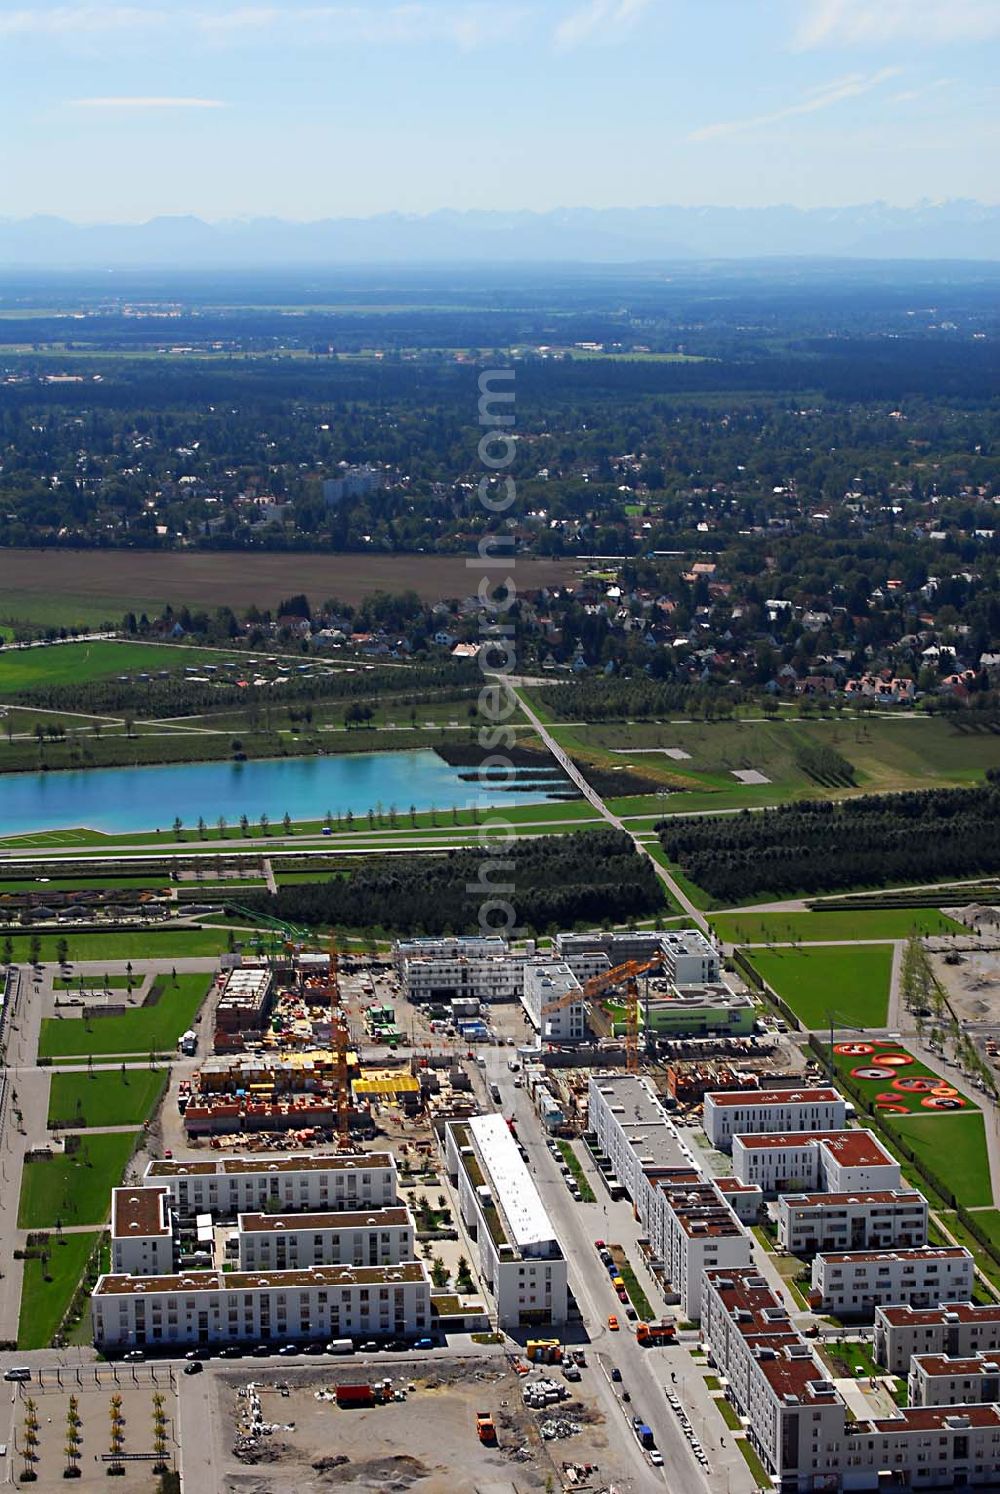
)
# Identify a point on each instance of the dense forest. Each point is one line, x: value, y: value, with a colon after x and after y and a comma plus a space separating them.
x: 819, y: 846
x: 553, y: 882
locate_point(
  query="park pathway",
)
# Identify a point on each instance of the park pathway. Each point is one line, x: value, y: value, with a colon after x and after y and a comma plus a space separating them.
x: 593, y: 798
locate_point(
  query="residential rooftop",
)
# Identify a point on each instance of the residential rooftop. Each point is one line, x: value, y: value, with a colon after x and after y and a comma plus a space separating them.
x: 934, y: 1419
x: 276, y: 1224
x: 754, y: 1097
x: 139, y: 1212
x: 946, y: 1312
x: 937, y: 1365
x: 849, y: 1148
x: 300, y: 1162
x: 842, y: 1200
x: 249, y: 1281
x: 919, y: 1253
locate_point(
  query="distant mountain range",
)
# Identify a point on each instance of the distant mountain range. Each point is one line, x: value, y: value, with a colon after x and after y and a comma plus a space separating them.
x: 946, y: 230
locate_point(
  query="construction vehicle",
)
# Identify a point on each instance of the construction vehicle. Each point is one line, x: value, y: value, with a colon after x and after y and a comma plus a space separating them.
x: 627, y: 975
x: 486, y: 1428
x: 653, y: 1335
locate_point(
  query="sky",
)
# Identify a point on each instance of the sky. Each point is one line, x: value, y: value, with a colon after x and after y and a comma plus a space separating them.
x: 123, y: 111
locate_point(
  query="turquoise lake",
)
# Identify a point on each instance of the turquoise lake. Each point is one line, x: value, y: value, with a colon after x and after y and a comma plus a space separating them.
x: 149, y: 798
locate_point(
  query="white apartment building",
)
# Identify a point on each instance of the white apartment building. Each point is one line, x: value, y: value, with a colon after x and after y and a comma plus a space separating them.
x: 741, y: 1113
x: 274, y: 1242
x: 687, y: 1220
x: 694, y: 1230
x: 798, y: 1422
x: 834, y: 1161
x: 637, y: 1136
x: 353, y: 482
x: 142, y: 1234
x: 853, y: 1283
x: 519, y: 1256
x: 689, y: 959
x: 937, y: 1380
x: 448, y: 969
x: 886, y: 1220
x: 543, y: 988
x: 214, y: 1307
x: 958, y: 1329
x: 746, y: 1200
x: 318, y: 1182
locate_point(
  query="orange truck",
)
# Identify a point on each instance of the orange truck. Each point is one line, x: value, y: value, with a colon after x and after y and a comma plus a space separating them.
x: 486, y: 1428
x: 653, y: 1334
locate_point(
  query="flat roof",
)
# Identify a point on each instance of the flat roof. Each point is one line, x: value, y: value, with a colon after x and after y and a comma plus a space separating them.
x: 794, y: 1374
x: 733, y: 1185
x: 139, y: 1213
x: 700, y: 1212
x: 249, y: 1281
x: 934, y: 1419
x: 926, y: 1317
x: 849, y: 1148
x: 840, y: 1200
x: 510, y: 1182
x: 266, y: 1162
x: 276, y: 1224
x: 921, y: 1253
x: 647, y: 1127
x: 939, y: 1365
x: 726, y: 1099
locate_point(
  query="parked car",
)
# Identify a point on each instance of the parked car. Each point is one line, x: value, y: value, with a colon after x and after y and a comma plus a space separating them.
x: 616, y: 1374
x: 135, y: 1356
x: 194, y: 1368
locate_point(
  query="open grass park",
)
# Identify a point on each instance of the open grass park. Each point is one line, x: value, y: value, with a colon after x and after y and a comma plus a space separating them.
x: 891, y: 1093
x: 816, y: 926
x: 848, y: 980
x: 151, y: 1028
x: 105, y: 1097
x: 97, y: 659
x: 953, y: 1147
x: 49, y: 1284
x: 75, y: 1187
x: 116, y: 945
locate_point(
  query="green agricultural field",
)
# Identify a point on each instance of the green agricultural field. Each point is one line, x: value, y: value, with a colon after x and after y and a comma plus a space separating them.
x: 105, y: 1097
x: 850, y: 980
x: 813, y: 928
x: 953, y: 1147
x: 844, y: 1063
x: 145, y: 944
x: 78, y: 663
x: 143, y: 1029
x: 75, y: 1189
x: 44, y: 1302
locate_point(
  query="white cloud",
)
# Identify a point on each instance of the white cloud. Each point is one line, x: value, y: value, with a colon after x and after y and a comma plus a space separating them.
x: 462, y: 24
x: 824, y: 97
x: 908, y: 95
x: 846, y: 23
x: 146, y: 102
x: 597, y: 19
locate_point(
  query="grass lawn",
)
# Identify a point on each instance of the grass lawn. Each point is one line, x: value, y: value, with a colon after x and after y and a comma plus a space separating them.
x: 953, y: 1147
x: 144, y: 1029
x: 145, y: 944
x: 576, y: 1168
x: 757, y: 1469
x: 78, y: 663
x: 75, y: 1189
x: 87, y: 983
x: 844, y: 1063
x: 105, y: 1098
x: 811, y: 928
x: 729, y: 1413
x: 44, y: 1303
x: 850, y: 980
x: 987, y: 1219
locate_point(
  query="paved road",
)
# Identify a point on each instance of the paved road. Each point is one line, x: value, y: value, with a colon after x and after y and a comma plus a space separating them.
x: 593, y: 797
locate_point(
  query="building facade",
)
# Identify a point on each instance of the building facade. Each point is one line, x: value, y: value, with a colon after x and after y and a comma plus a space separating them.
x: 309, y: 1183
x: 518, y: 1253
x: 957, y: 1329
x: 727, y: 1114
x: 852, y: 1284
x: 937, y: 1380
x: 215, y: 1307
x: 834, y: 1161
x: 378, y: 1237
x: 552, y: 998
x: 808, y: 1222
x: 142, y: 1231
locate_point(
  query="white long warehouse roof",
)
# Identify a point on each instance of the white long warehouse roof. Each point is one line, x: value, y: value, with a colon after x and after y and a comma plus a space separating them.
x: 512, y: 1185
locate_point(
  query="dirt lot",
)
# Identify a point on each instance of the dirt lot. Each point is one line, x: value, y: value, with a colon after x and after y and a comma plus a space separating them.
x: 234, y: 580
x: 426, y: 1442
x: 94, y: 1409
x: 973, y: 986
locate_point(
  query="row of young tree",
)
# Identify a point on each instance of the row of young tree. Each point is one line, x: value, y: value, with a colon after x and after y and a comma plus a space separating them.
x: 873, y: 841
x: 553, y: 882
